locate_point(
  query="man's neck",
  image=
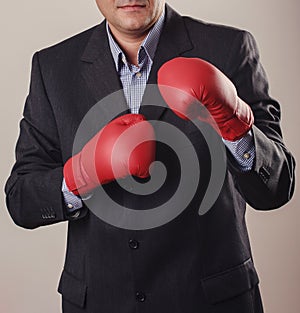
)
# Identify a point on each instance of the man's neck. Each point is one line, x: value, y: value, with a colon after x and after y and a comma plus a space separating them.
x: 129, y: 43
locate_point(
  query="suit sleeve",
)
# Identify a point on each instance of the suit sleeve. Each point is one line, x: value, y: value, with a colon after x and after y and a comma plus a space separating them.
x: 33, y: 190
x: 270, y: 183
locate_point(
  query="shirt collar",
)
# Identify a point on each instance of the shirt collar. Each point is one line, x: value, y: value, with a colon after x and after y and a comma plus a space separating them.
x: 149, y: 44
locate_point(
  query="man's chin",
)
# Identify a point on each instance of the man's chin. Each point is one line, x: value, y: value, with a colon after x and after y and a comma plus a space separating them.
x: 135, y: 27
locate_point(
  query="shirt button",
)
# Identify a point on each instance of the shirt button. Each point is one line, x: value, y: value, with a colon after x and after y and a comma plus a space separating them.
x: 140, y: 296
x: 246, y: 155
x: 70, y: 206
x: 138, y: 74
x: 133, y: 244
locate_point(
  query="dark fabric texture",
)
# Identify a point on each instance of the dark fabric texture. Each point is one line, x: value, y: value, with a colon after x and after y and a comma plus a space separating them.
x: 191, y: 264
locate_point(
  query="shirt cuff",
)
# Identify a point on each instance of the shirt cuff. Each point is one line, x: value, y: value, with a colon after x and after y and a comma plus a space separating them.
x: 72, y: 201
x: 243, y: 150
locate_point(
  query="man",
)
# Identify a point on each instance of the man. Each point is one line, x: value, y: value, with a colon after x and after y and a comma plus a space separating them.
x: 193, y: 263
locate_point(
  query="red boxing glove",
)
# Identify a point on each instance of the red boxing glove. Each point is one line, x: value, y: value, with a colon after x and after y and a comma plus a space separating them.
x: 125, y: 146
x: 195, y: 79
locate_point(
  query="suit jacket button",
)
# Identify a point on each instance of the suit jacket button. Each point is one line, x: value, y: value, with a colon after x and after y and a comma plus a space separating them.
x: 133, y: 244
x: 76, y: 214
x: 264, y: 174
x: 140, y: 297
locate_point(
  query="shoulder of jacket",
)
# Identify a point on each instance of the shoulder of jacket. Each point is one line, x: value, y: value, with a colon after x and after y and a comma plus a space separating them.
x: 196, y: 25
x: 68, y: 46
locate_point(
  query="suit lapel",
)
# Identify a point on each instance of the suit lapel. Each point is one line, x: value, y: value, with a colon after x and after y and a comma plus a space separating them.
x: 173, y: 42
x: 98, y: 69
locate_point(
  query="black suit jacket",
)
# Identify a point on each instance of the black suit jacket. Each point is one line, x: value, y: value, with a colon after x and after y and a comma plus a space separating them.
x: 191, y: 264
